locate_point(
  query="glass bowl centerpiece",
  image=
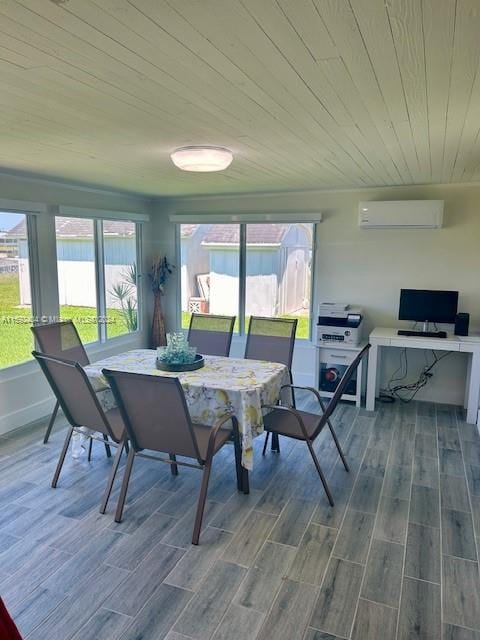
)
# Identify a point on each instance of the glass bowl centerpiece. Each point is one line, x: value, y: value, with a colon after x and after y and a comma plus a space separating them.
x: 178, y: 355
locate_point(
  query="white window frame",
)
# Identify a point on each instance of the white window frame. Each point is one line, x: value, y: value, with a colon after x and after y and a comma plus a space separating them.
x: 33, y: 272
x: 101, y: 300
x: 246, y: 219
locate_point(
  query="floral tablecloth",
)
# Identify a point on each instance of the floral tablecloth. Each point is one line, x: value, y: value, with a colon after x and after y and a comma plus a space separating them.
x: 224, y: 385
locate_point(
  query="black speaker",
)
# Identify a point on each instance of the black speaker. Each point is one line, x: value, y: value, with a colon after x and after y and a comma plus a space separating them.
x: 462, y: 320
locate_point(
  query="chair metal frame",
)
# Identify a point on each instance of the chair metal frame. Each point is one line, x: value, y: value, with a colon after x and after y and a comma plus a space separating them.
x: 38, y: 338
x: 75, y: 427
x: 293, y: 322
x: 210, y: 316
x: 204, y: 465
x: 323, y: 418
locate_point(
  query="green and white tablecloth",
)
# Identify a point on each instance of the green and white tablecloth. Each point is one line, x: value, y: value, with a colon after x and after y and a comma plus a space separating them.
x: 224, y: 385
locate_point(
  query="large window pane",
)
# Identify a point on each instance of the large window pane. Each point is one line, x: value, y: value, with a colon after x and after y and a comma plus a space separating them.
x: 279, y: 272
x: 77, y: 289
x: 16, y: 342
x: 209, y: 269
x: 120, y: 256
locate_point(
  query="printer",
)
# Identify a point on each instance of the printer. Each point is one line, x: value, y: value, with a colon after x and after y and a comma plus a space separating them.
x: 339, y: 323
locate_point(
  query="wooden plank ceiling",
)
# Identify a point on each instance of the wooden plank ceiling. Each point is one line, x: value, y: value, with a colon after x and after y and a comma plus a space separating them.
x: 308, y: 94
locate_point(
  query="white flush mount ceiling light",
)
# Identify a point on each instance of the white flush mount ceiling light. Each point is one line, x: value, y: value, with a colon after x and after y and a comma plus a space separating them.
x: 202, y: 158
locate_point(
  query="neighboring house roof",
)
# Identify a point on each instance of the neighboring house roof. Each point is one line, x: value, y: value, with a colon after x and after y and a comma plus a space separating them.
x: 80, y: 228
x: 19, y: 230
x: 187, y: 230
x: 256, y: 234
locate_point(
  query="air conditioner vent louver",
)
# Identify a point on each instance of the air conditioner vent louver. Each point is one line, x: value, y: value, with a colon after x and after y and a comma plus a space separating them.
x: 401, y: 214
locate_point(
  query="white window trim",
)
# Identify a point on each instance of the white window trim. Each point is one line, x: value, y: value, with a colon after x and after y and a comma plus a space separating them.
x: 22, y: 206
x: 17, y: 369
x: 245, y: 218
x: 98, y: 238
x: 32, y: 209
x: 33, y: 264
x: 66, y: 211
x: 100, y: 278
x: 200, y: 219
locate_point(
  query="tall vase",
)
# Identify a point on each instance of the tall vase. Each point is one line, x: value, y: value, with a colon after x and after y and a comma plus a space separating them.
x: 159, y: 338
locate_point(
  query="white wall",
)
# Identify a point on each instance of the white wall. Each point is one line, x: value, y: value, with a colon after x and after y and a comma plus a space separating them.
x: 368, y: 268
x: 24, y: 394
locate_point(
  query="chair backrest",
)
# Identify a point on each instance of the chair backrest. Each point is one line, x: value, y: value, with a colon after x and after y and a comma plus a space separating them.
x: 344, y: 380
x: 61, y: 339
x: 155, y: 412
x: 212, y: 335
x: 74, y: 392
x: 271, y: 339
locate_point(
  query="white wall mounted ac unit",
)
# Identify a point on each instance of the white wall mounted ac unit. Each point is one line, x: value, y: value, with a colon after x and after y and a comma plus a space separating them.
x: 401, y: 214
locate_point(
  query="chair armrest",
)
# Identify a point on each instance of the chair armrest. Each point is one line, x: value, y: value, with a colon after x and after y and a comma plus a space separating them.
x: 311, y: 389
x: 294, y: 412
x: 216, y: 428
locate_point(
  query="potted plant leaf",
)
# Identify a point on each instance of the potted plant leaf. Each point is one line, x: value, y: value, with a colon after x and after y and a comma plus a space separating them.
x: 125, y: 293
x: 160, y: 271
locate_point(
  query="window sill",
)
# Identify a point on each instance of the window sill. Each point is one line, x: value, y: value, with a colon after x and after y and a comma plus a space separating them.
x: 111, y: 343
x: 18, y: 370
x: 30, y: 367
x: 304, y: 342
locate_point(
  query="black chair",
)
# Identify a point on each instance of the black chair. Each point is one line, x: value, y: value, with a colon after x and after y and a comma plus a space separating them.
x: 212, y: 335
x: 302, y: 425
x: 79, y: 402
x: 156, y: 418
x: 272, y: 339
x: 59, y: 339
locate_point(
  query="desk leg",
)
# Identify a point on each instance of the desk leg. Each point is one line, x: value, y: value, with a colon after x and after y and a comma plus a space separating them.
x: 473, y: 388
x: 372, y: 377
x: 358, y: 400
x: 467, y: 385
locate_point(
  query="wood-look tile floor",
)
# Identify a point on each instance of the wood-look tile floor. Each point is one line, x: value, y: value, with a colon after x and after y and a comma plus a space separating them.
x: 396, y: 558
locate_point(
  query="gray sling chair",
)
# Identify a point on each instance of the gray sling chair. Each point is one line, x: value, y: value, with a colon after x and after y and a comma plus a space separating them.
x: 302, y: 425
x: 81, y: 407
x: 59, y: 339
x: 212, y: 335
x: 156, y: 418
x: 272, y: 339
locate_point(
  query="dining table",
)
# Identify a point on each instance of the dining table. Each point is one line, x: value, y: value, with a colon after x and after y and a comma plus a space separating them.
x: 223, y: 386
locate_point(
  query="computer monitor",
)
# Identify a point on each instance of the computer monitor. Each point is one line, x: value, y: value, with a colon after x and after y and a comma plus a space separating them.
x: 420, y: 305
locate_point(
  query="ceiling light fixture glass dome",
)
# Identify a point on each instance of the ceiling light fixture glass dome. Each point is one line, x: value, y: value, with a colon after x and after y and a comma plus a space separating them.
x: 202, y: 158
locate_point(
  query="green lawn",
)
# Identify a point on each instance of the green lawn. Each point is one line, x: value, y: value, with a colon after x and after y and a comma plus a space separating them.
x: 16, y: 343
x: 302, y: 326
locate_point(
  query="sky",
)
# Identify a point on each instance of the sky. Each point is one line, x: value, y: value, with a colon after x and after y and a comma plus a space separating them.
x: 9, y: 220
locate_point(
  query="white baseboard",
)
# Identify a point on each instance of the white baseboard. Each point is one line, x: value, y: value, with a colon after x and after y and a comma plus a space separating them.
x: 26, y: 415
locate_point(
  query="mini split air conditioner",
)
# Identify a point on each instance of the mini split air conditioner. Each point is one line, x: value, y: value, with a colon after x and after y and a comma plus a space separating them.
x: 401, y: 214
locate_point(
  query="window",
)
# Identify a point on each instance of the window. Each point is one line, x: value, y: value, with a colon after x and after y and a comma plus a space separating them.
x: 210, y: 259
x: 77, y: 289
x: 16, y: 341
x: 120, y: 268
x: 278, y: 271
x: 97, y: 276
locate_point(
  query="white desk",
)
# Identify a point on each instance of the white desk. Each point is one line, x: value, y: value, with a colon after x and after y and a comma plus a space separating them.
x: 470, y: 345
